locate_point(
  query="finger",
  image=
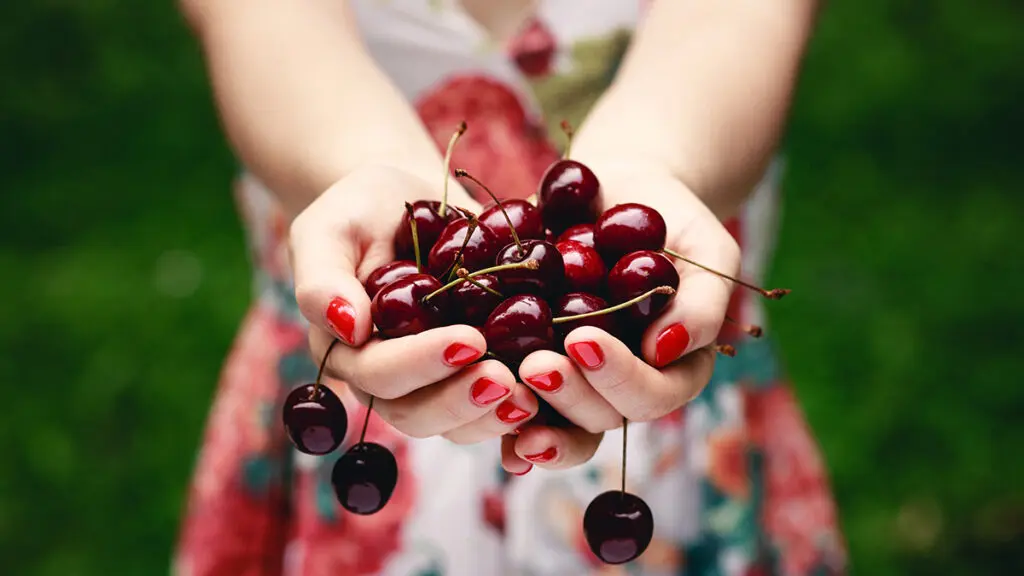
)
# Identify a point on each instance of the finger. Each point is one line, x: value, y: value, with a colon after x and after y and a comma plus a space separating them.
x: 557, y: 380
x: 635, y: 389
x: 518, y: 408
x: 448, y: 404
x: 511, y: 461
x: 556, y: 448
x: 696, y: 313
x: 390, y: 369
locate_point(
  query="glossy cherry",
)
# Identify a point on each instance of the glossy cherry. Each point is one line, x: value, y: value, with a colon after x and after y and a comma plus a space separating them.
x: 524, y: 216
x: 545, y: 281
x: 627, y: 228
x: 387, y: 274
x: 429, y: 225
x: 618, y: 526
x: 569, y: 192
x: 582, y: 233
x: 364, y: 478
x: 315, y: 419
x: 576, y: 303
x: 478, y: 251
x: 636, y: 273
x: 474, y: 301
x: 584, y: 269
x: 403, y: 307
x: 518, y: 326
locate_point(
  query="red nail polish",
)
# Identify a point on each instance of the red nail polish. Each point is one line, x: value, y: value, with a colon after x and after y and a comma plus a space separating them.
x: 549, y: 382
x: 486, y: 391
x: 523, y: 473
x: 509, y: 413
x: 587, y: 353
x: 545, y: 456
x: 671, y: 344
x: 458, y: 355
x: 341, y: 318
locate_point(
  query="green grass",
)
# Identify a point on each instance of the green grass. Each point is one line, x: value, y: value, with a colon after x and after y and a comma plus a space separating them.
x: 125, y: 275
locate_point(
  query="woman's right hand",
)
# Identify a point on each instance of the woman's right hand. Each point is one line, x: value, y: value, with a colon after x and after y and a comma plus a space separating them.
x: 426, y: 384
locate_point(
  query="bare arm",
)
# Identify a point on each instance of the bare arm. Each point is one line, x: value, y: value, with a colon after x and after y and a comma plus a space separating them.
x: 300, y: 99
x: 705, y: 90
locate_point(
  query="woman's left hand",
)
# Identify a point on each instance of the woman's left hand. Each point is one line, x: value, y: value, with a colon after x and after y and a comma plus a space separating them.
x: 602, y: 381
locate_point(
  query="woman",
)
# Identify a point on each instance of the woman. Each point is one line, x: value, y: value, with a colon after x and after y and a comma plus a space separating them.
x: 340, y: 112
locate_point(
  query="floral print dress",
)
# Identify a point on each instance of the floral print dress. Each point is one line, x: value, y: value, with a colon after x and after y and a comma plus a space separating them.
x: 735, y: 478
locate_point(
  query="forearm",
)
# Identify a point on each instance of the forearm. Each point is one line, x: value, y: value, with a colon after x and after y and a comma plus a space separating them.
x: 705, y: 90
x: 300, y: 99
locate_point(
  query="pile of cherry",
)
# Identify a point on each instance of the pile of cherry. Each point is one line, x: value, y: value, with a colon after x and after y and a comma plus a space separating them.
x: 525, y: 275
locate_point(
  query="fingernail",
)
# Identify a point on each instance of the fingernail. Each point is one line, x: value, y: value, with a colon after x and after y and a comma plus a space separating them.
x: 671, y: 344
x: 486, y: 391
x: 545, y: 456
x: 523, y: 473
x: 587, y: 353
x: 341, y: 318
x: 509, y: 413
x: 458, y: 355
x: 549, y: 382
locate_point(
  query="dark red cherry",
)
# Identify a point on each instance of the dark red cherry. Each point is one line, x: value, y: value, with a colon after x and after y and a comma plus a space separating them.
x: 576, y: 303
x: 387, y: 274
x: 429, y: 225
x: 627, y: 228
x: 364, y: 478
x: 584, y: 269
x: 618, y: 526
x: 524, y: 216
x: 519, y: 326
x: 315, y: 419
x: 582, y: 233
x: 636, y: 273
x: 479, y: 251
x: 399, y: 309
x: 568, y: 195
x: 474, y: 304
x: 545, y: 281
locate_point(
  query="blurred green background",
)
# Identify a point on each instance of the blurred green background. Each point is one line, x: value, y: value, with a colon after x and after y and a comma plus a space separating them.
x: 125, y: 275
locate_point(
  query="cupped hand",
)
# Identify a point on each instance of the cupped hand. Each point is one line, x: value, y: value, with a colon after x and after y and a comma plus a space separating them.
x: 602, y: 381
x: 424, y: 385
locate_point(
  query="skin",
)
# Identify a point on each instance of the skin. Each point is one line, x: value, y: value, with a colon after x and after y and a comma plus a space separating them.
x: 688, y: 127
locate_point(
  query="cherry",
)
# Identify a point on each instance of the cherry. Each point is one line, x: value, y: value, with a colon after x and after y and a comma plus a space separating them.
x: 618, y: 526
x: 464, y: 238
x: 584, y: 269
x: 387, y: 274
x: 546, y: 279
x: 409, y: 305
x: 627, y: 228
x: 517, y: 327
x: 577, y: 303
x: 636, y: 273
x: 314, y: 416
x: 582, y: 233
x: 365, y: 476
x: 523, y: 215
x: 475, y: 299
x: 569, y: 192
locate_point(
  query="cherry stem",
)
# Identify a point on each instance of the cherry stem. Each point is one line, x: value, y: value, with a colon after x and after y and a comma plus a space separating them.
x: 366, y: 421
x: 773, y: 294
x: 530, y: 264
x: 753, y: 330
x: 320, y: 373
x: 666, y: 290
x: 625, y: 427
x: 569, y: 133
x: 442, y: 210
x: 415, y: 237
x: 724, y: 349
x: 464, y: 274
x: 460, y: 173
x: 473, y: 223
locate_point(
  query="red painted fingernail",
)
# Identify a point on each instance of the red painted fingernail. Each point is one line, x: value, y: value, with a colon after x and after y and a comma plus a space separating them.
x: 549, y: 382
x: 458, y: 355
x: 587, y: 353
x: 545, y: 456
x: 509, y: 413
x: 671, y: 344
x: 341, y: 318
x: 523, y: 473
x: 486, y: 391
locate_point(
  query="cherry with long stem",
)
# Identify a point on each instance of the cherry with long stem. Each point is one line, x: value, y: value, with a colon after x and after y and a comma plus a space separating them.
x: 442, y: 210
x: 364, y: 478
x: 473, y: 223
x: 663, y: 290
x: 313, y: 415
x: 460, y: 173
